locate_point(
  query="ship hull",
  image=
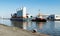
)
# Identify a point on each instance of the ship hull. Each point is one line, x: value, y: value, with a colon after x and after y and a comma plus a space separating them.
x: 39, y: 20
x: 18, y: 19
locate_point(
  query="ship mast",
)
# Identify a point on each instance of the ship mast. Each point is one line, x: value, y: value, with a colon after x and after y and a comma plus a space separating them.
x: 39, y: 14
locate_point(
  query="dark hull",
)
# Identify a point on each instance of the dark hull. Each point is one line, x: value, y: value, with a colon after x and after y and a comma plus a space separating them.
x: 39, y: 20
x: 57, y: 19
x: 17, y: 19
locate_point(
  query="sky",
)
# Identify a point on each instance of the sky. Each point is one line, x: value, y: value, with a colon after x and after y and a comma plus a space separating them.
x: 8, y: 7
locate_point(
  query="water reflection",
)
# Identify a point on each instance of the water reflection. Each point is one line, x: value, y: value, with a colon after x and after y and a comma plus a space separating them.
x: 40, y: 24
x: 50, y: 27
x: 25, y: 25
x: 46, y: 27
x: 43, y: 27
x: 29, y: 25
x: 22, y: 25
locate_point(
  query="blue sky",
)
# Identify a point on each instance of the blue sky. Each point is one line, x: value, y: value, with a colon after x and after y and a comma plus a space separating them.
x: 46, y: 6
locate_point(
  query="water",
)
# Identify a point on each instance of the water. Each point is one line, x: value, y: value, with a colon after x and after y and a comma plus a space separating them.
x: 51, y: 27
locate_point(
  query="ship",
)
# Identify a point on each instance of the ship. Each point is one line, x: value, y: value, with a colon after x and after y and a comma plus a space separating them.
x: 39, y: 18
x: 20, y: 15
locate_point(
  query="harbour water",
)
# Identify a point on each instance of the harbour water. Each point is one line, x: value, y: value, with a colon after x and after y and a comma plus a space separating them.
x: 51, y: 27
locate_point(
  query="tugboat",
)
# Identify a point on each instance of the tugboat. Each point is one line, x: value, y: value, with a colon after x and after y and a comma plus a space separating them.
x: 39, y: 18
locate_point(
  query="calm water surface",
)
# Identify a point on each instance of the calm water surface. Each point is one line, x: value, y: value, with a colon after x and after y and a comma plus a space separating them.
x: 51, y: 27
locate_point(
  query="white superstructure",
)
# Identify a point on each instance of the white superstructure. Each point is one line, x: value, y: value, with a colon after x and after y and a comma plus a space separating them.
x: 22, y: 12
x: 39, y: 15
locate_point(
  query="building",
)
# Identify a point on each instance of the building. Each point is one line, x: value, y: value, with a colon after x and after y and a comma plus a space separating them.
x: 51, y: 17
x: 57, y: 17
x: 22, y: 12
